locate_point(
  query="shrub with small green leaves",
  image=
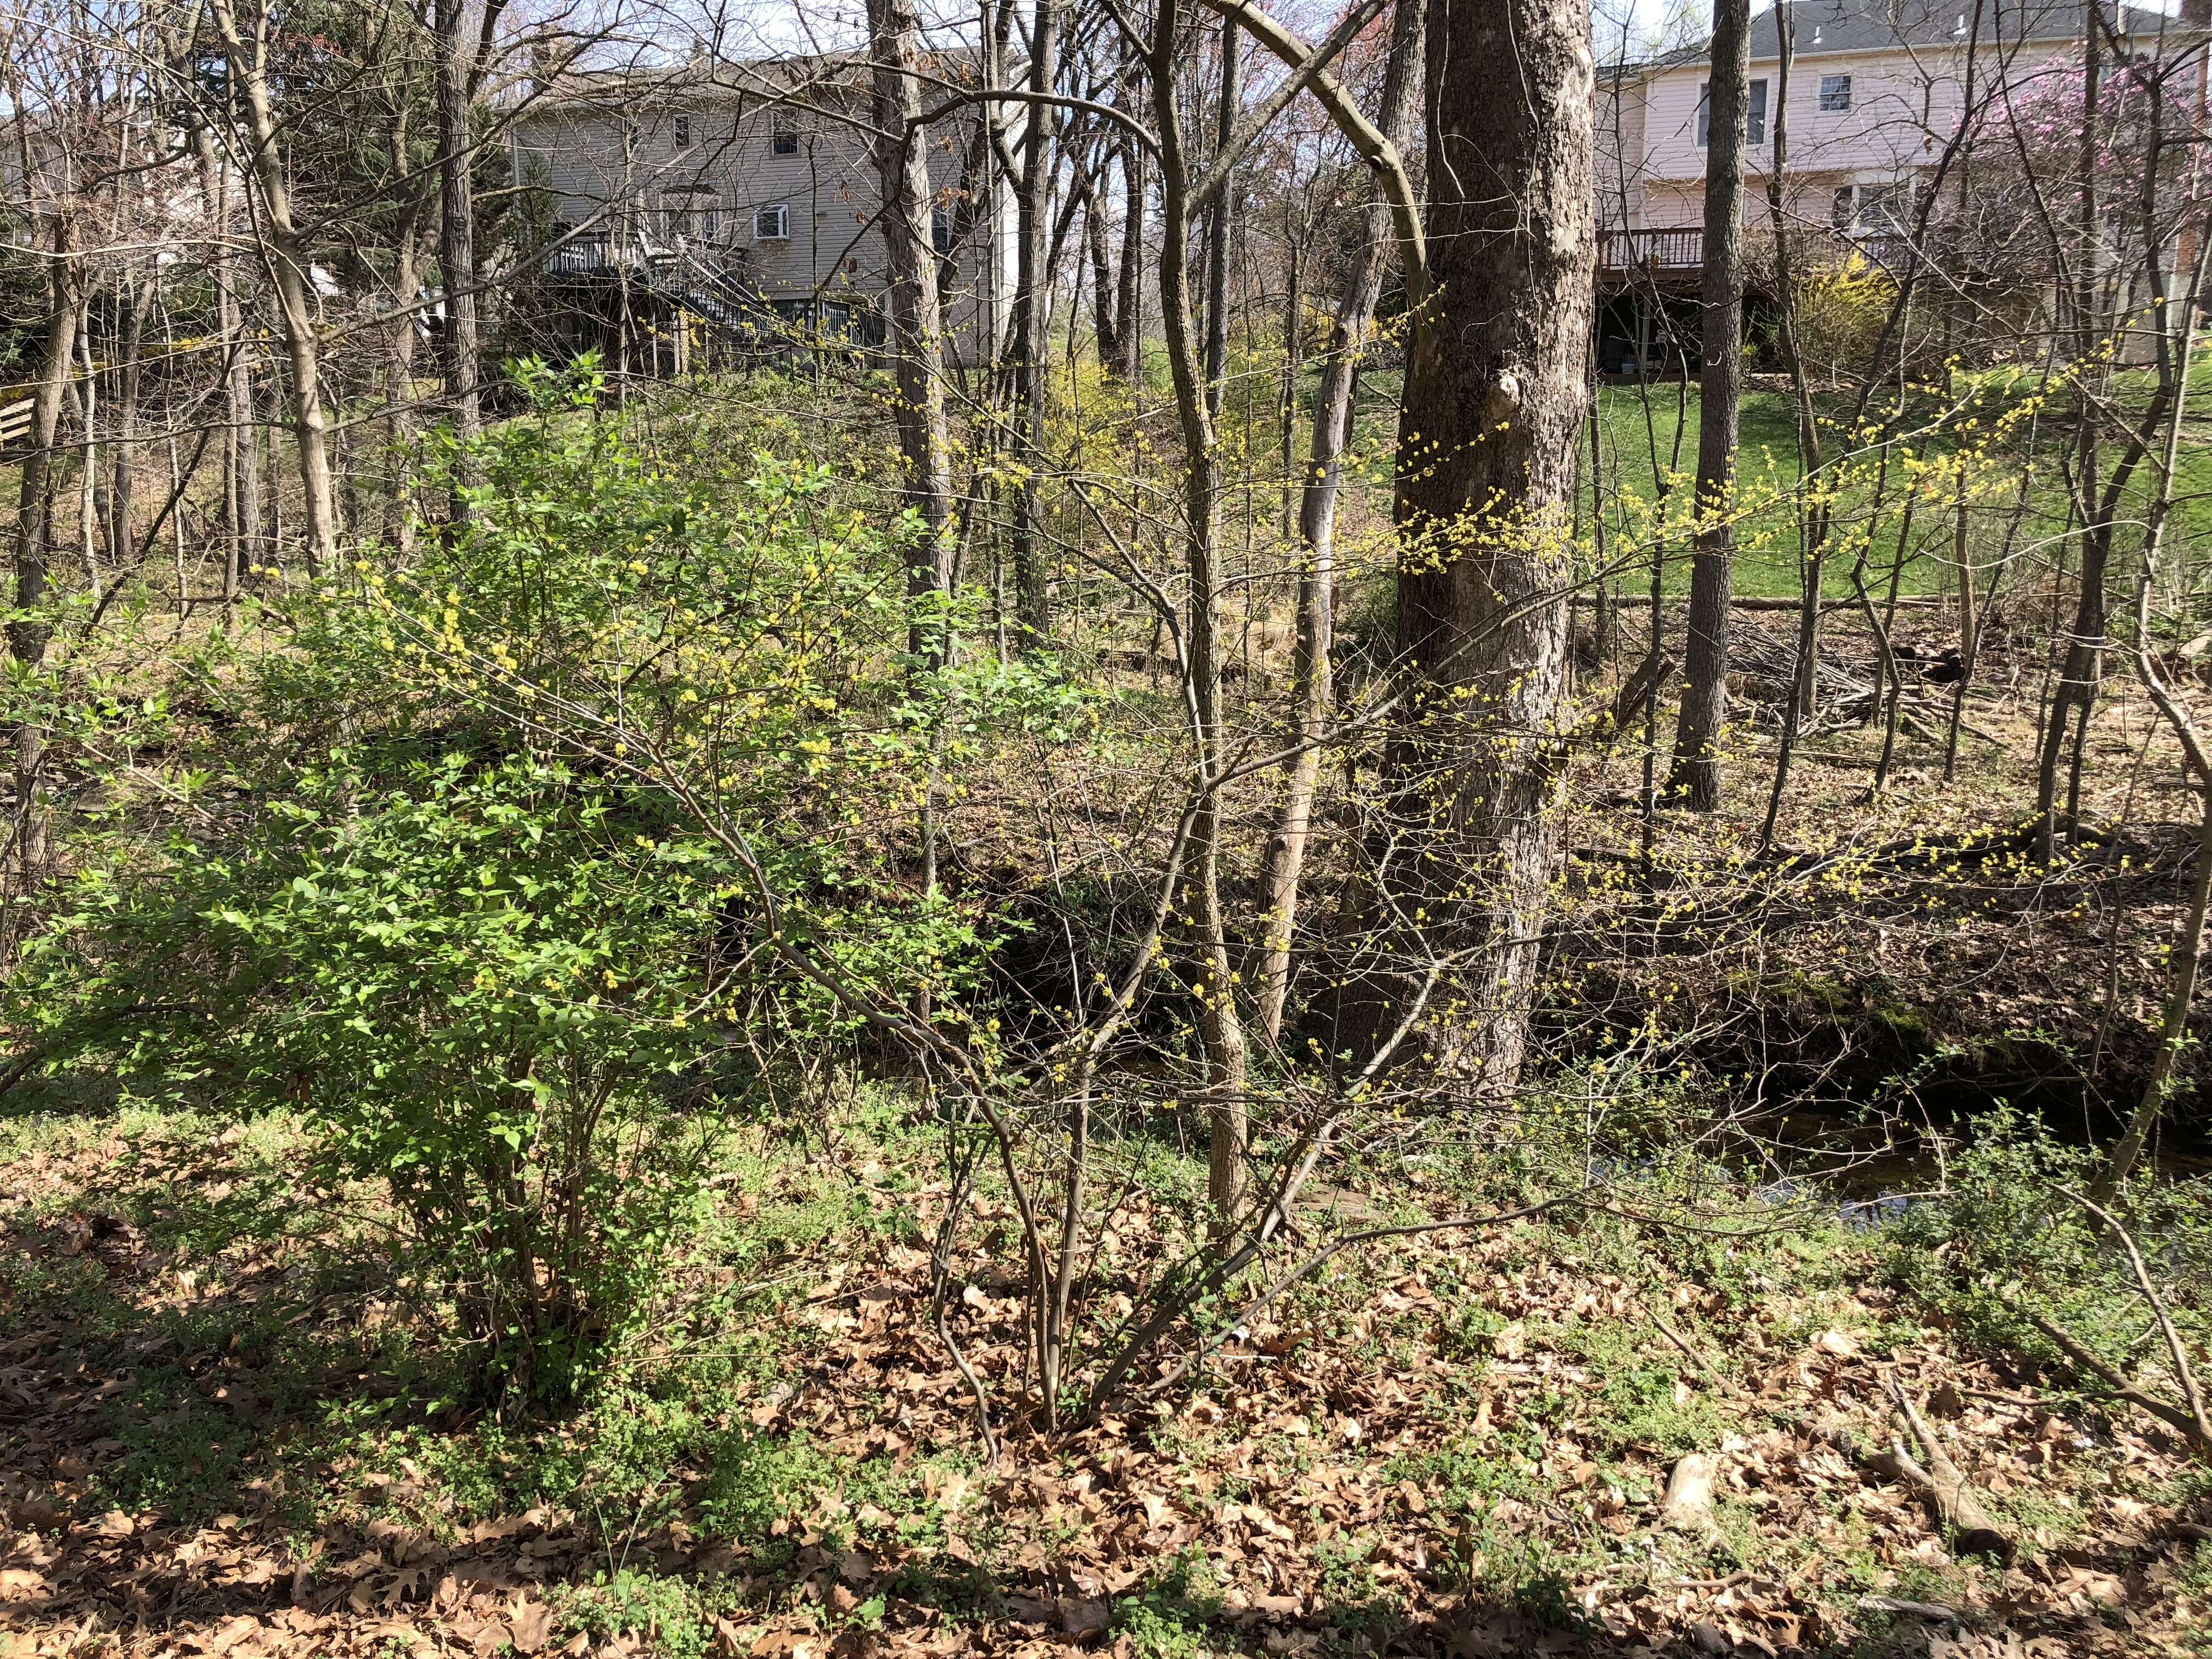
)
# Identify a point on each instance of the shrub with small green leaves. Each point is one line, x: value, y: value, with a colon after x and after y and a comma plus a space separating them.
x: 2011, y: 1239
x: 569, y: 821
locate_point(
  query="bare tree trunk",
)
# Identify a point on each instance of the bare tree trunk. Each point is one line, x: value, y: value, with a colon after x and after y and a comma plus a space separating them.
x: 457, y: 216
x: 1221, y: 1031
x: 1297, y: 238
x: 917, y: 323
x: 1129, y: 289
x: 1221, y: 223
x: 92, y: 531
x: 1101, y: 270
x: 285, y: 254
x: 1815, y: 515
x: 1027, y: 337
x: 29, y: 631
x: 2077, y: 684
x: 242, y: 492
x: 2175, y: 349
x: 1484, y: 581
x: 122, y: 491
x: 1696, y: 774
x: 1315, y: 691
x: 399, y: 379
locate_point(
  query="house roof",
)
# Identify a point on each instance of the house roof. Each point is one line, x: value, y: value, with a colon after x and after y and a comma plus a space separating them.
x: 706, y: 78
x: 1861, y: 25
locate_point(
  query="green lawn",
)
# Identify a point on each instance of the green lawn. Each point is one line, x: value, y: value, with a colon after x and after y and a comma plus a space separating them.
x: 1640, y: 426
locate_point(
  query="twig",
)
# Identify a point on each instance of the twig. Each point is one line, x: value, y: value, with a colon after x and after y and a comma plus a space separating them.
x: 1320, y: 1258
x: 2201, y: 1433
x: 1935, y: 1610
x: 1682, y: 1342
x: 940, y: 1278
x: 2084, y: 1359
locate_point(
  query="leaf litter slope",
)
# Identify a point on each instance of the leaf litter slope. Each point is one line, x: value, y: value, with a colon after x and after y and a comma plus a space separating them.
x: 225, y: 1435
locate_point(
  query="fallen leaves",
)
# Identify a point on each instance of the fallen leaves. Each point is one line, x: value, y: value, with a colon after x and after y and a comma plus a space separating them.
x: 1300, y: 1450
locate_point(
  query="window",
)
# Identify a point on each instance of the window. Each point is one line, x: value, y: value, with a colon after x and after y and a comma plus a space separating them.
x: 772, y: 224
x: 682, y: 133
x: 1835, y: 93
x: 785, y: 142
x: 1755, y: 122
x: 940, y: 230
x: 1871, y: 209
x: 1881, y: 207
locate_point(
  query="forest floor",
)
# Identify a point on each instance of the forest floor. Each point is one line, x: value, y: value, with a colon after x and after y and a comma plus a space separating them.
x: 226, y: 1429
x: 231, y: 1417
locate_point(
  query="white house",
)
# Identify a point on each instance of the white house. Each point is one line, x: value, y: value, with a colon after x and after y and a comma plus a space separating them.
x: 1876, y: 88
x: 749, y: 187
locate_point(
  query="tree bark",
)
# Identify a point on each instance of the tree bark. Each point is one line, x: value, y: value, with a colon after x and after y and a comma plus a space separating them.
x: 1026, y: 336
x: 1221, y: 1032
x: 1129, y: 285
x: 1493, y: 403
x: 1221, y: 223
x: 916, y: 314
x: 1102, y: 267
x: 1815, y: 516
x: 1696, y: 775
x: 2174, y: 364
x: 241, y: 481
x: 2085, y: 657
x: 1314, y: 691
x: 29, y: 631
x: 122, y: 492
x: 285, y: 253
x: 27, y: 634
x: 457, y: 215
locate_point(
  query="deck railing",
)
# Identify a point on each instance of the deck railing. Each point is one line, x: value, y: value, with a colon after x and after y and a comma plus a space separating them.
x: 1681, y: 250
x: 1619, y: 251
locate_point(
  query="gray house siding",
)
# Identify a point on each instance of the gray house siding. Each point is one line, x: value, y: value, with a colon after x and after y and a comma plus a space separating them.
x: 664, y: 162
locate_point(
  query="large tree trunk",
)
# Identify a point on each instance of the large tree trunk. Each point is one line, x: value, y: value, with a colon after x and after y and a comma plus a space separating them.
x: 916, y: 317
x: 1221, y: 1031
x: 1027, y: 337
x: 1101, y: 266
x: 1696, y: 775
x: 1315, y: 691
x: 1129, y: 291
x: 1493, y: 404
x: 285, y: 253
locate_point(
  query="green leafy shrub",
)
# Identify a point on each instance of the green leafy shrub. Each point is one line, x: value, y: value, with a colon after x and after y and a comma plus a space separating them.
x: 467, y: 979
x: 2010, y: 1240
x: 567, y: 824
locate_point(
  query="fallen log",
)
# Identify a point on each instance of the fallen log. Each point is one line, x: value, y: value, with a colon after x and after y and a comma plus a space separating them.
x: 1945, y: 1490
x: 1747, y: 602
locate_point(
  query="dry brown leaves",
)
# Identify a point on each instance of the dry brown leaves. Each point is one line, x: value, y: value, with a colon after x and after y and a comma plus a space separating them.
x: 1295, y: 1455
